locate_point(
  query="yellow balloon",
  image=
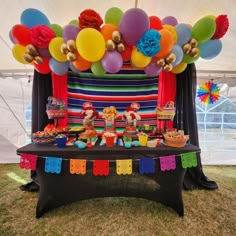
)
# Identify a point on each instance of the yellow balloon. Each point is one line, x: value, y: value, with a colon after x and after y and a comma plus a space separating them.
x: 90, y: 44
x: 172, y: 30
x: 138, y: 59
x: 18, y: 51
x: 179, y: 68
x: 212, y: 17
x: 54, y: 48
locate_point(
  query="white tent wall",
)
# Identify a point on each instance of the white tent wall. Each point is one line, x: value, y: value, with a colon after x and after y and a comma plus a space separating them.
x: 15, y: 95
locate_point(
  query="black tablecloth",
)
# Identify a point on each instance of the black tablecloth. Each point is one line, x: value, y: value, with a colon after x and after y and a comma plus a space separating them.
x: 104, y: 153
x: 60, y: 189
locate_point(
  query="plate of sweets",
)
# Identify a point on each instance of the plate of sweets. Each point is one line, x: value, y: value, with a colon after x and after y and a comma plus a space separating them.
x: 42, y: 137
x: 175, y: 138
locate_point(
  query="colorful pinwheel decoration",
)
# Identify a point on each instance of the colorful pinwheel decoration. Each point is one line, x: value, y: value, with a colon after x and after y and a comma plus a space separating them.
x: 208, y: 93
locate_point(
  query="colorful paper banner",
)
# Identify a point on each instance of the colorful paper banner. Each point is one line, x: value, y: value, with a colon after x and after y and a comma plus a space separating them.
x: 124, y: 167
x: 147, y: 166
x: 167, y: 163
x: 101, y: 167
x: 28, y: 161
x: 53, y: 165
x: 77, y: 166
x: 189, y: 160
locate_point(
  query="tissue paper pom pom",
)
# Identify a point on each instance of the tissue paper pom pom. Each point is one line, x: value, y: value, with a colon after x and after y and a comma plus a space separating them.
x: 90, y: 19
x: 222, y: 25
x: 41, y: 36
x: 149, y: 43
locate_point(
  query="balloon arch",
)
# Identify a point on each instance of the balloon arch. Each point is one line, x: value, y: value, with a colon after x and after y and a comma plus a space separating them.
x: 90, y: 42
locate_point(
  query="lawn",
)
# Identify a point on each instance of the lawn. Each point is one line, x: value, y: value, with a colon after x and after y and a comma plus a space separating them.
x: 206, y: 212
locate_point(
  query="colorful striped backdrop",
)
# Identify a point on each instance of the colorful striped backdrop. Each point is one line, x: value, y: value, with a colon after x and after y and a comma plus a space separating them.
x: 117, y: 90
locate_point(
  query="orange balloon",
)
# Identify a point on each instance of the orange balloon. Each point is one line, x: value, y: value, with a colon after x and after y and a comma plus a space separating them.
x: 80, y: 63
x: 107, y: 30
x: 166, y: 43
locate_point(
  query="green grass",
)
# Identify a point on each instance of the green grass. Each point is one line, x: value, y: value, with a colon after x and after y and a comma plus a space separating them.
x: 206, y: 212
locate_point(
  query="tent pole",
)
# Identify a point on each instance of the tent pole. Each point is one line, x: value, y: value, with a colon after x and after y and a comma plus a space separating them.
x: 136, y: 3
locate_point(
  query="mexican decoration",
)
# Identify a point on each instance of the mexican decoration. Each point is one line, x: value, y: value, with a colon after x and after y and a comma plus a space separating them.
x: 89, y: 114
x: 166, y: 112
x: 208, y: 93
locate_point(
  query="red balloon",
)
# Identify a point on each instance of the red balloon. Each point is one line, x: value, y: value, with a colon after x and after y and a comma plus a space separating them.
x: 21, y: 34
x: 155, y: 22
x: 126, y: 54
x: 44, y: 67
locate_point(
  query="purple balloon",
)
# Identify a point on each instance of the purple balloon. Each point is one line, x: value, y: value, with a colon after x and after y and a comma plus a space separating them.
x: 112, y: 61
x: 152, y: 69
x: 133, y: 24
x: 70, y: 32
x: 44, y: 52
x: 169, y: 20
x: 11, y: 38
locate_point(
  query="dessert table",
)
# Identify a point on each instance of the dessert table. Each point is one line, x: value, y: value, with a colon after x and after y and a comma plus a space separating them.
x: 60, y: 189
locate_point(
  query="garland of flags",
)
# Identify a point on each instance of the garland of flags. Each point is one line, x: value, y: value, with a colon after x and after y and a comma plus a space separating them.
x: 147, y: 165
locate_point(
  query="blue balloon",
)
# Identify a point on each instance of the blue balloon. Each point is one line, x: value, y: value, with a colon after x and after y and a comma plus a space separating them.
x: 210, y: 49
x: 32, y: 17
x: 178, y: 51
x: 184, y: 33
x: 72, y: 68
x: 57, y: 67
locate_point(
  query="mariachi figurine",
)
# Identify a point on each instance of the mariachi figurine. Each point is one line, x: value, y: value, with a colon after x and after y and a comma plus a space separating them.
x: 89, y: 114
x: 131, y: 116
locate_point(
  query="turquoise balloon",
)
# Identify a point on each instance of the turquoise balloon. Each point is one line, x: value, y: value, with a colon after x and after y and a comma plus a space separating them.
x: 57, y: 67
x: 113, y: 16
x: 210, y: 49
x: 33, y: 17
x: 183, y: 32
x: 177, y: 50
x: 97, y: 68
x: 204, y: 29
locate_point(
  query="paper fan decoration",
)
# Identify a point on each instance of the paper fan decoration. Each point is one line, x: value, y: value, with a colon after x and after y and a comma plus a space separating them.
x: 208, y: 93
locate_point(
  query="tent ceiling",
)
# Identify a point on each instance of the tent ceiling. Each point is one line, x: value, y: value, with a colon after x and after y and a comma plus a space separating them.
x: 62, y: 12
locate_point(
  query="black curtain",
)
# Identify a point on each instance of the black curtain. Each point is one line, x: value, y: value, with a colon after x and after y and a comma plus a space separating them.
x: 42, y: 89
x: 186, y: 119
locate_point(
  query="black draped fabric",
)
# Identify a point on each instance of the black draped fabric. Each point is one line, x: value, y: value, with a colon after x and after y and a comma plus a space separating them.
x: 42, y: 89
x: 186, y: 119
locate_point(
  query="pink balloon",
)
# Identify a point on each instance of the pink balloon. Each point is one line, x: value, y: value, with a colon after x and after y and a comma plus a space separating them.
x: 152, y: 69
x: 133, y: 24
x: 112, y: 61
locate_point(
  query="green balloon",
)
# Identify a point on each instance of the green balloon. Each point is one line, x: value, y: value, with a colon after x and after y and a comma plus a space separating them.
x: 74, y: 22
x: 113, y: 16
x: 97, y: 68
x: 204, y: 29
x: 188, y: 59
x: 57, y: 29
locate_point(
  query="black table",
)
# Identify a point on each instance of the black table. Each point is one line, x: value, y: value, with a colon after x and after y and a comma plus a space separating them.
x: 60, y: 189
